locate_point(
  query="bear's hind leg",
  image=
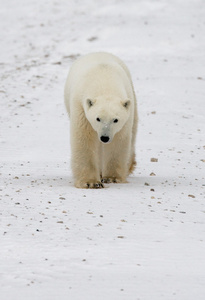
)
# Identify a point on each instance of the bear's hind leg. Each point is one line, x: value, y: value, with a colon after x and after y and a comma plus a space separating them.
x: 133, y: 164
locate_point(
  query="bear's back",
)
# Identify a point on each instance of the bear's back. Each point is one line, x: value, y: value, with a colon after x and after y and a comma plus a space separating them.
x: 101, y: 59
x: 87, y: 71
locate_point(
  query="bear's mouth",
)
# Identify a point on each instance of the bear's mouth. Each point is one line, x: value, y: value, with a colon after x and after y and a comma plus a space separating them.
x: 105, y: 139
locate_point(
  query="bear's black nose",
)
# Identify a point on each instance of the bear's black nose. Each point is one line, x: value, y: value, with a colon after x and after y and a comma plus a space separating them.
x: 104, y: 139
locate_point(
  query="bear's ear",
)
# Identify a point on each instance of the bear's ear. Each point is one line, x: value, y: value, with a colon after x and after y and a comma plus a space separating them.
x: 90, y: 102
x: 126, y: 103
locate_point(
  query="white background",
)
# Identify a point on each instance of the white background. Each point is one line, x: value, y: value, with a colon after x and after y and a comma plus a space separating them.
x: 137, y: 241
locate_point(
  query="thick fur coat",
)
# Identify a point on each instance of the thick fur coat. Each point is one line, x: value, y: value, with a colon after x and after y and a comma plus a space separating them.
x: 101, y: 103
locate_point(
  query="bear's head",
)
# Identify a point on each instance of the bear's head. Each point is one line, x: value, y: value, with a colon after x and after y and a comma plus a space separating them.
x: 107, y: 115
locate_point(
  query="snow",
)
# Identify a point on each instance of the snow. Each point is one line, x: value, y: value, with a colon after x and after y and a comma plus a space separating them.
x: 141, y: 240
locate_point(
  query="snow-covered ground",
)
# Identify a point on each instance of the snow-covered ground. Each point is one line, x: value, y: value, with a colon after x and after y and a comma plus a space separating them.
x: 137, y: 241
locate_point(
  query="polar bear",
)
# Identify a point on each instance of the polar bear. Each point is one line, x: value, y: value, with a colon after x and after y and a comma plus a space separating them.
x: 101, y: 103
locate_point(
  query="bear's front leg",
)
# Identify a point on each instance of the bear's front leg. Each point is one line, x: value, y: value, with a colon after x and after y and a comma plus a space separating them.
x: 85, y: 160
x: 116, y: 159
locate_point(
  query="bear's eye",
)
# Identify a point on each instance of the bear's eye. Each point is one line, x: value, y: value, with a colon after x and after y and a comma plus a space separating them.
x: 115, y: 120
x: 98, y: 119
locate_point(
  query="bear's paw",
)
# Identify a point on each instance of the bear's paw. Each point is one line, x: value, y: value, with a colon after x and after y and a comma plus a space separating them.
x: 90, y: 184
x: 111, y: 180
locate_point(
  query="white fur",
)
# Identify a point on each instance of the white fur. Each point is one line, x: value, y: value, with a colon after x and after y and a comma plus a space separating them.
x: 100, y: 100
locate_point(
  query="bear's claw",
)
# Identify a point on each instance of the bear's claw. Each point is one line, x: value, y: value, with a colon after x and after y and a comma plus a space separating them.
x: 110, y: 180
x: 89, y: 185
x: 94, y: 185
